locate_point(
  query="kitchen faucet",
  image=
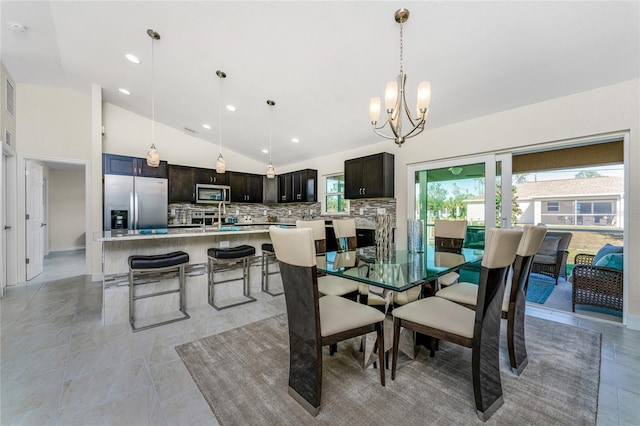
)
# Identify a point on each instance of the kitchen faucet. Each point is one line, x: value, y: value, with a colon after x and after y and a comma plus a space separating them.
x: 222, y: 209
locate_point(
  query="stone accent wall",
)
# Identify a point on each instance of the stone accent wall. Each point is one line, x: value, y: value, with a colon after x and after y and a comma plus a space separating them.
x: 290, y: 212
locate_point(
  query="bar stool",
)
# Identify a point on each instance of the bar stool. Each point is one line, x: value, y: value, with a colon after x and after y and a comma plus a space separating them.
x: 224, y: 259
x: 145, y: 265
x: 268, y: 258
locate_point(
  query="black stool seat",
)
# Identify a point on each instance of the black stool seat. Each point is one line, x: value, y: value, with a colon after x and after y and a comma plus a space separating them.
x: 232, y: 252
x: 158, y: 261
x: 267, y: 247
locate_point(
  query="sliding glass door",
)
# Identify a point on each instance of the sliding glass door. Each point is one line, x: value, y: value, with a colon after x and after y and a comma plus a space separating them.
x: 467, y: 188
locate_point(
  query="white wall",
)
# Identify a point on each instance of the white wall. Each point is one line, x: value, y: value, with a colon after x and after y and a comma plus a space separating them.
x: 66, y: 210
x: 127, y: 133
x: 600, y: 111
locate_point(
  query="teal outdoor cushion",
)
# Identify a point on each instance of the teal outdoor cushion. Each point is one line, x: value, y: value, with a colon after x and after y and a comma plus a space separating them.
x: 613, y: 261
x: 605, y: 250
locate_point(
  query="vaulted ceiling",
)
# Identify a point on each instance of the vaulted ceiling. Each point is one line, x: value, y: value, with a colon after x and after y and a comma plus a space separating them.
x: 321, y: 61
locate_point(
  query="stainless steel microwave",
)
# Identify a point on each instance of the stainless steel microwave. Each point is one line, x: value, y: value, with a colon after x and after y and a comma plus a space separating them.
x: 212, y: 194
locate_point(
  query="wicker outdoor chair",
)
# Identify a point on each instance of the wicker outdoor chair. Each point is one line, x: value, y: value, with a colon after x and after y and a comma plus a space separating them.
x: 551, y: 259
x: 595, y: 285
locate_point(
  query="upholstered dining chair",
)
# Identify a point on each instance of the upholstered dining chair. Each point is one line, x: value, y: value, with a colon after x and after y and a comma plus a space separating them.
x: 449, y: 237
x: 329, y: 284
x: 442, y: 319
x: 345, y: 231
x: 514, y: 300
x: 315, y: 321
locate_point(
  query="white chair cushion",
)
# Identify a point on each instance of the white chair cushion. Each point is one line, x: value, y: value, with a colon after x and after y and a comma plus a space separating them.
x: 450, y: 228
x: 317, y: 226
x: 372, y: 298
x: 439, y: 313
x: 338, y: 314
x: 336, y: 286
x: 293, y: 246
x: 448, y: 279
x: 467, y: 293
x: 344, y: 228
x: 404, y: 297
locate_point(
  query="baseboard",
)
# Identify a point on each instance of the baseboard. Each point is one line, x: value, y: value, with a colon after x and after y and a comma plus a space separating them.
x: 74, y: 248
x: 633, y: 322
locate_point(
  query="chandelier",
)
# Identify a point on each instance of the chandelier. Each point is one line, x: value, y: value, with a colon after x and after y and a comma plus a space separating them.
x: 153, y: 158
x: 395, y: 102
x: 271, y: 171
x: 221, y: 165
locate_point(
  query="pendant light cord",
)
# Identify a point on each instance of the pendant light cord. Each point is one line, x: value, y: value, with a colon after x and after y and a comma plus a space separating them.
x: 153, y: 97
x: 220, y: 112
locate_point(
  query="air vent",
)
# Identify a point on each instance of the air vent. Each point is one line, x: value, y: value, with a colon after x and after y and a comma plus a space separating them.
x: 189, y: 129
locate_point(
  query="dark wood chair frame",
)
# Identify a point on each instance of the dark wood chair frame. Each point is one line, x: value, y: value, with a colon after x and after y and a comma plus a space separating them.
x: 485, y: 343
x: 305, y: 341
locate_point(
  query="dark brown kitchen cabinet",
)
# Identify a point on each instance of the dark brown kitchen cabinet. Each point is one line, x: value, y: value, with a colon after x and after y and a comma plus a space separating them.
x: 369, y: 177
x: 285, y: 194
x: 131, y: 166
x: 210, y: 176
x: 305, y: 186
x: 182, y: 184
x: 298, y: 187
x: 245, y: 187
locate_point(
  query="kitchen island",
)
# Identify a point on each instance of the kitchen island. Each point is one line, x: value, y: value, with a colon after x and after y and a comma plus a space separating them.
x: 118, y: 246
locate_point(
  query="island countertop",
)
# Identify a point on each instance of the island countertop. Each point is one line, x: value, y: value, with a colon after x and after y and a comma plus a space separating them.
x: 208, y: 231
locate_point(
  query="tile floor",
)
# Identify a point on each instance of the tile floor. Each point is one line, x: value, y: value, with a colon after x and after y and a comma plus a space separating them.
x: 59, y: 366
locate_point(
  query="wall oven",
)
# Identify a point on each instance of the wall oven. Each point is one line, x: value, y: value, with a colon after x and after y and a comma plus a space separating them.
x: 212, y: 194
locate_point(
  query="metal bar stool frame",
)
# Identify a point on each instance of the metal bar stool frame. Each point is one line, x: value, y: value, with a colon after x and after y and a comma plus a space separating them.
x: 268, y: 257
x: 214, y: 262
x: 132, y: 296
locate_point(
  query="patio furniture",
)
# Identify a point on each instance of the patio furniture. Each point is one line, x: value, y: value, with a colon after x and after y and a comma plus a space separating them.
x: 597, y: 285
x: 551, y: 258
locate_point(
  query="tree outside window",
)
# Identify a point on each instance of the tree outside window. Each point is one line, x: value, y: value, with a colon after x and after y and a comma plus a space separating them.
x: 334, y: 199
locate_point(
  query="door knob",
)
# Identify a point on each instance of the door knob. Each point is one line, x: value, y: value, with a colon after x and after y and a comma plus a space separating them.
x: 7, y: 227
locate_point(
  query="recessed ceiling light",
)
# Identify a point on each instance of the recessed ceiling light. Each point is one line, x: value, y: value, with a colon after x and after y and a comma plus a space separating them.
x: 295, y: 140
x: 132, y: 58
x: 265, y: 151
x: 17, y: 27
x: 207, y: 126
x: 231, y: 108
x: 124, y: 91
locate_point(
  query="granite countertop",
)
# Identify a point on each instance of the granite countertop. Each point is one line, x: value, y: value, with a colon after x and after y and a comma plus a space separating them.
x: 180, y: 233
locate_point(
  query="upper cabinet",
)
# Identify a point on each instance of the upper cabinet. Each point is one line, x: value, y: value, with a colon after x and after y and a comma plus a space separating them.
x: 245, y: 187
x: 182, y: 184
x: 304, y: 185
x: 284, y: 188
x: 210, y: 176
x: 369, y: 177
x: 298, y: 187
x: 132, y: 166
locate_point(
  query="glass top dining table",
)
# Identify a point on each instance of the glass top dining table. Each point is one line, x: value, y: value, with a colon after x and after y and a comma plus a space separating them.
x: 401, y: 271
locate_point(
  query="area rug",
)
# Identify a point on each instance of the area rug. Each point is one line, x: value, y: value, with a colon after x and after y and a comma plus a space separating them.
x: 540, y: 288
x: 243, y: 375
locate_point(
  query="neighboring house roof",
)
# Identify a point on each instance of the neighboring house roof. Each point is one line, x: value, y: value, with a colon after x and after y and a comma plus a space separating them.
x: 570, y: 188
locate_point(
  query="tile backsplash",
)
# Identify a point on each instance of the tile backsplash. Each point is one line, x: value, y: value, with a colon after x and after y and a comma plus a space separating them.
x: 290, y: 212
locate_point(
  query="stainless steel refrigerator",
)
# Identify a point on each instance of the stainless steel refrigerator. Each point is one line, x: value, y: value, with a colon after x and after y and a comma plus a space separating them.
x: 134, y: 202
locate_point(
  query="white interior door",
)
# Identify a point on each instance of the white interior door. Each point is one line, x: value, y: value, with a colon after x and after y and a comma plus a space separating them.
x: 34, y: 219
x: 3, y: 222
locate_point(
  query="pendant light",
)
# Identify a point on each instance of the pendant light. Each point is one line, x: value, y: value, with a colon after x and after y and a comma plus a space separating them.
x: 271, y: 171
x: 153, y: 158
x: 395, y: 101
x: 221, y: 166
